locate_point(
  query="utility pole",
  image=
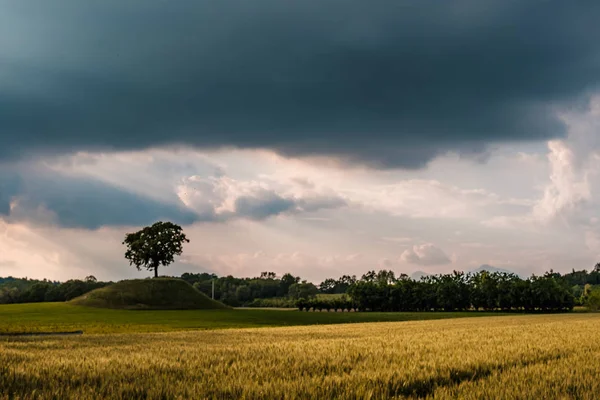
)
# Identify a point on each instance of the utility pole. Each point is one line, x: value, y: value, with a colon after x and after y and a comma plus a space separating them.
x: 213, y: 289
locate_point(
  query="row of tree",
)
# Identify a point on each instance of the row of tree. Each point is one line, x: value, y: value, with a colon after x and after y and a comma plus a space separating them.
x: 337, y: 286
x: 238, y: 292
x: 384, y: 291
x: 341, y: 303
x: 583, y: 277
x: 380, y: 290
x: 15, y: 290
x: 280, y: 291
x: 458, y: 291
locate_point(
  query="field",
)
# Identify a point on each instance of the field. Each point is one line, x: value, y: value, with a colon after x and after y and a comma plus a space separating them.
x: 511, y: 357
x: 56, y: 317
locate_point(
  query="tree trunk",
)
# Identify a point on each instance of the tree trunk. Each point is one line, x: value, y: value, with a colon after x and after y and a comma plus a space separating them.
x: 156, y: 271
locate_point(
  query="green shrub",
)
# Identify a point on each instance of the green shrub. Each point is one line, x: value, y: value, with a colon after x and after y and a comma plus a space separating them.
x: 276, y: 302
x: 593, y: 300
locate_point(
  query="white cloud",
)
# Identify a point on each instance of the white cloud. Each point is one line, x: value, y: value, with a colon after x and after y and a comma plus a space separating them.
x: 475, y: 245
x: 425, y: 254
x: 569, y: 184
x: 574, y: 165
x: 592, y: 242
x: 312, y: 267
x: 397, y: 239
x: 212, y: 181
x: 523, y: 222
x: 223, y: 198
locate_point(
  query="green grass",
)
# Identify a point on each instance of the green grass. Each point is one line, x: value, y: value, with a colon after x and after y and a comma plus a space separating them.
x: 149, y: 294
x: 56, y: 317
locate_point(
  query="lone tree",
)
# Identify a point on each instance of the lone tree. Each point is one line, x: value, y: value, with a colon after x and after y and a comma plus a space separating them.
x: 154, y: 246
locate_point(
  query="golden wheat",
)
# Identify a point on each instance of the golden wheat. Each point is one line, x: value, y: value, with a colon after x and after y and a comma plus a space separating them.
x: 517, y: 357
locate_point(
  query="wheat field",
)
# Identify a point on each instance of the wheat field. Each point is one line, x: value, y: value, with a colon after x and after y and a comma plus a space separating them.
x: 514, y: 357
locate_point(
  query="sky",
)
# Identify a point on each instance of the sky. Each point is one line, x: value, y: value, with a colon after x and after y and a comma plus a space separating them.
x: 320, y: 138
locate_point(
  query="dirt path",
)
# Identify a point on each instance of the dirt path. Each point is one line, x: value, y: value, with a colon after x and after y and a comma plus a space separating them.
x: 42, y: 333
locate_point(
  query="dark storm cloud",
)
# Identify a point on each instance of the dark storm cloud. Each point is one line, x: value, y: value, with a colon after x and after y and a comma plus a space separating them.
x: 82, y: 203
x: 265, y: 204
x: 389, y: 83
x: 9, y: 184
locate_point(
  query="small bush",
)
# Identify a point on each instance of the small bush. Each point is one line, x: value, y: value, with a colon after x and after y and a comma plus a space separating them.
x: 593, y: 300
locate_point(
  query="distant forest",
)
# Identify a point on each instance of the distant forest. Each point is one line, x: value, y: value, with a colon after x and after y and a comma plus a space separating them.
x: 374, y: 291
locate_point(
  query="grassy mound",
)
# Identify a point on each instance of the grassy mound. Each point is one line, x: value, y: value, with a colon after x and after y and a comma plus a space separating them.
x: 149, y: 294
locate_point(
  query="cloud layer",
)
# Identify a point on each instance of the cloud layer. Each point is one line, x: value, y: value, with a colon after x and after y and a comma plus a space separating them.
x: 41, y: 194
x: 390, y: 83
x: 223, y: 198
x: 426, y: 255
x: 86, y: 89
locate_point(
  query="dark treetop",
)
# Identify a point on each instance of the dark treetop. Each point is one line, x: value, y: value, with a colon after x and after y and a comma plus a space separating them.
x: 155, y: 245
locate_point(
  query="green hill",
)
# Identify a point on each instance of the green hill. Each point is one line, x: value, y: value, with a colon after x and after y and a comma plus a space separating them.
x: 148, y: 294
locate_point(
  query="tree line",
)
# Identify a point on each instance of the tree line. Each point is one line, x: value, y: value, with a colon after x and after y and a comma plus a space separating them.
x: 23, y: 290
x: 583, y: 277
x: 253, y: 292
x: 460, y: 292
x: 381, y: 291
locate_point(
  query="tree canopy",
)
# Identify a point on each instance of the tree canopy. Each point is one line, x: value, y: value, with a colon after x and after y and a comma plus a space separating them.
x: 154, y: 246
